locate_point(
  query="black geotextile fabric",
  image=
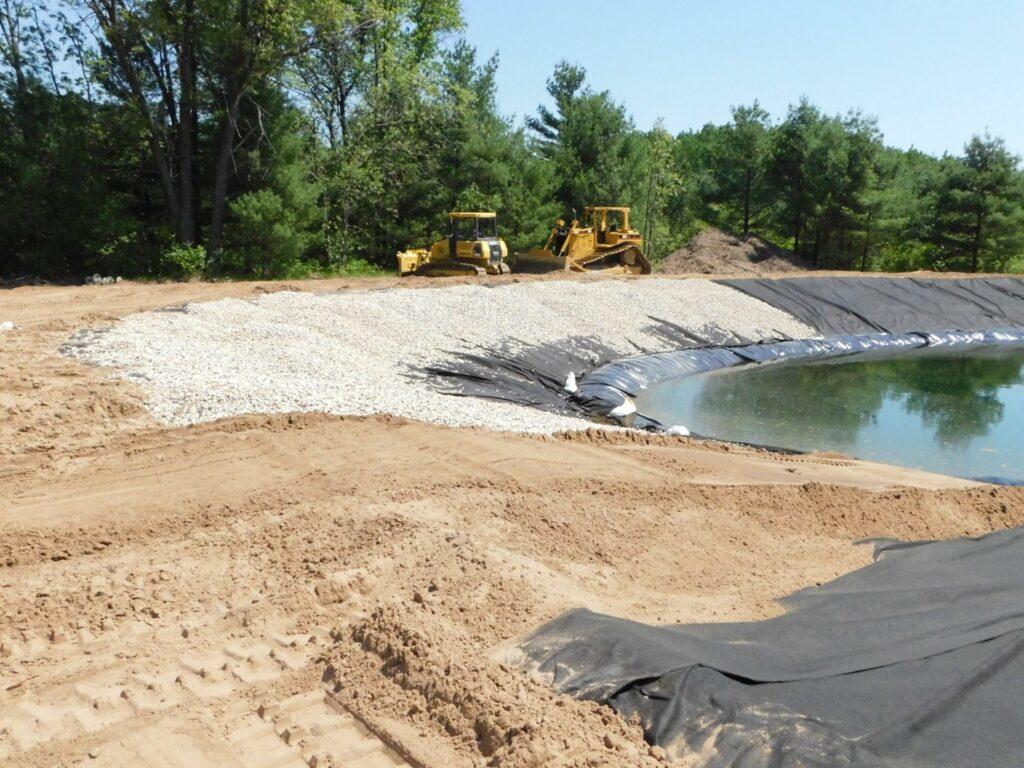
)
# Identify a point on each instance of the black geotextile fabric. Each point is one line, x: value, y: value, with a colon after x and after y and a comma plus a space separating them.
x: 520, y: 373
x: 856, y: 305
x: 915, y: 660
x: 535, y: 375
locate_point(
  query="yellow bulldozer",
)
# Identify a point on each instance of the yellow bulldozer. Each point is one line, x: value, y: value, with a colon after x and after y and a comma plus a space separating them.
x: 602, y: 242
x: 472, y: 247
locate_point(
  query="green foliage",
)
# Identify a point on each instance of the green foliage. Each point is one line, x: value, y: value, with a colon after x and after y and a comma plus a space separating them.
x: 976, y: 213
x: 733, y: 188
x: 660, y: 204
x: 68, y: 184
x: 312, y: 137
x: 590, y: 142
x: 827, y: 186
x: 358, y: 268
x: 305, y: 270
x: 183, y: 260
x: 275, y: 226
x: 490, y: 165
x: 821, y: 169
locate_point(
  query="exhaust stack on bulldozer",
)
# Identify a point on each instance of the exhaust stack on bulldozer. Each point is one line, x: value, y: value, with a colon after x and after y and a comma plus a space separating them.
x: 472, y: 247
x: 603, y: 242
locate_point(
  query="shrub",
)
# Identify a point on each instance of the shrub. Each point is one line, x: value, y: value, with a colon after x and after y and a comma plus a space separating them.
x: 359, y: 268
x: 183, y: 260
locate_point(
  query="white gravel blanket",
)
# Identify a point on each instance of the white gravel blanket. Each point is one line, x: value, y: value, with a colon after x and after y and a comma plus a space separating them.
x: 352, y: 352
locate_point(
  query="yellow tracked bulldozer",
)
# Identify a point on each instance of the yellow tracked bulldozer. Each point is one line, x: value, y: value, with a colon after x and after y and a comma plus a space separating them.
x: 472, y: 247
x: 602, y: 242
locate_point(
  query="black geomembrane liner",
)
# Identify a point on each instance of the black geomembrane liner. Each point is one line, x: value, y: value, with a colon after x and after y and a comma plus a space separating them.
x: 912, y: 661
x: 857, y: 305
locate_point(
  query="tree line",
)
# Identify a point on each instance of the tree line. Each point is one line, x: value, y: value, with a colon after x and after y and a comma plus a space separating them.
x: 169, y: 138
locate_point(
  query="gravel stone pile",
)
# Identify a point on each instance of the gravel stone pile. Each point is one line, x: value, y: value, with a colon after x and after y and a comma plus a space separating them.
x: 354, y: 352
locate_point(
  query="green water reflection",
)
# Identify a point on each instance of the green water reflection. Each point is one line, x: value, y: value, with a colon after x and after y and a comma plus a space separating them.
x: 958, y: 413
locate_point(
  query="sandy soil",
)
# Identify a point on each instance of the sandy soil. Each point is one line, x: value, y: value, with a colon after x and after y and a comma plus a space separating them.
x: 314, y: 590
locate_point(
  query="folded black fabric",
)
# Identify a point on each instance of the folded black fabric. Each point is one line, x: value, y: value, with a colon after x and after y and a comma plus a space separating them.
x: 914, y: 660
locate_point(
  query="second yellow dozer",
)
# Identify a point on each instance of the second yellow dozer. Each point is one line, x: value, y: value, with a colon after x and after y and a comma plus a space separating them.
x: 472, y: 247
x: 602, y: 242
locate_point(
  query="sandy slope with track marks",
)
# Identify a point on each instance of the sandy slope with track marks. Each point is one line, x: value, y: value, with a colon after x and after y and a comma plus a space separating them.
x: 311, y: 590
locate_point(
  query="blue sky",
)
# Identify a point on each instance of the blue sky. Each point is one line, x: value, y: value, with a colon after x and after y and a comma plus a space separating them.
x: 932, y: 72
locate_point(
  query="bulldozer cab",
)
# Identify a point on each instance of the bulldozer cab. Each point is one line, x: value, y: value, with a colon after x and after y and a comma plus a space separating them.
x: 608, y: 223
x: 473, y: 226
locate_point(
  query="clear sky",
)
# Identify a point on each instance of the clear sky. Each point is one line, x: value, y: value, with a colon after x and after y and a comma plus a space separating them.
x: 932, y: 72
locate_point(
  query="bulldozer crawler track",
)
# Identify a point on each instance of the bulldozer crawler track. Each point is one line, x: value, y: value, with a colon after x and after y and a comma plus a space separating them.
x: 613, y: 253
x: 450, y: 268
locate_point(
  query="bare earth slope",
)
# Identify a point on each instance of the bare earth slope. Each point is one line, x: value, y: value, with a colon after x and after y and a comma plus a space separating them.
x: 310, y: 590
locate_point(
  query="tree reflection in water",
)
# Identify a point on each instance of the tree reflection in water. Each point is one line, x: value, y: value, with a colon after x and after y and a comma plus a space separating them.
x: 955, y: 396
x: 958, y: 397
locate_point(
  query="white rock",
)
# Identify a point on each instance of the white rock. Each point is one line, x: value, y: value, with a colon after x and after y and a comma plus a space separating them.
x: 351, y: 352
x: 677, y: 430
x: 7, y: 325
x: 570, y: 383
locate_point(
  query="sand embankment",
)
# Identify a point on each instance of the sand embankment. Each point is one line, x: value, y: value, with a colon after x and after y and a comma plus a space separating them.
x: 300, y: 589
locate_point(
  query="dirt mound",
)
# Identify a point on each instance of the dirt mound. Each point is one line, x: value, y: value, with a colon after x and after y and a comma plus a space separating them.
x: 714, y: 252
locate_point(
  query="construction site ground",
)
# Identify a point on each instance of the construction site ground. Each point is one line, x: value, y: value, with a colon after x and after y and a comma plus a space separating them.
x: 313, y: 590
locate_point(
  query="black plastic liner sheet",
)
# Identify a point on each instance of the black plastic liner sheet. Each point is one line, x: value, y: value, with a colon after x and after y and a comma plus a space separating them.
x: 604, y: 388
x: 526, y: 375
x: 535, y: 375
x: 856, y: 305
x: 915, y: 660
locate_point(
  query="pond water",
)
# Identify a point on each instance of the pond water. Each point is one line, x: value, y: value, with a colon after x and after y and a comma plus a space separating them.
x: 960, y: 413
